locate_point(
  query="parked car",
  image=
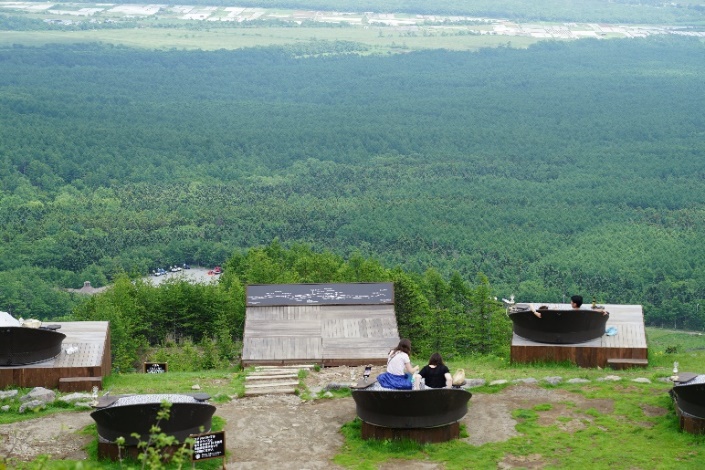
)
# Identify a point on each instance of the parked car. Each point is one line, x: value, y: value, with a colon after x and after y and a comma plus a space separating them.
x: 217, y: 270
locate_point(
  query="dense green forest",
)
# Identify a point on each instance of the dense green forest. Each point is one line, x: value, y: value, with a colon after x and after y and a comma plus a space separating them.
x: 565, y: 168
x: 206, y: 322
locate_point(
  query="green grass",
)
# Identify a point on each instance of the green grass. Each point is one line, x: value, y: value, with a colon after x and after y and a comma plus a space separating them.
x: 624, y: 437
x: 13, y: 415
x: 219, y: 384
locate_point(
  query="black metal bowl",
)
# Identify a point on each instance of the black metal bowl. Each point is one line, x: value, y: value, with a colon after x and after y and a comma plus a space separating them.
x: 404, y: 409
x: 689, y: 394
x: 124, y: 415
x: 21, y: 345
x: 556, y: 326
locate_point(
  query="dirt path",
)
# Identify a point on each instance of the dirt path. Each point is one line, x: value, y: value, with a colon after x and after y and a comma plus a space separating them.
x: 285, y: 431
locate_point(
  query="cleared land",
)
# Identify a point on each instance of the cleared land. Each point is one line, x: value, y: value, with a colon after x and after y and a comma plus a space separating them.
x: 213, y: 27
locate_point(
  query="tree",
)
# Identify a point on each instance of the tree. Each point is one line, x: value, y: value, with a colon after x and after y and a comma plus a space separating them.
x: 491, y: 327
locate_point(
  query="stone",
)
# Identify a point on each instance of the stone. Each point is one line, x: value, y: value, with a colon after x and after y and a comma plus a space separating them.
x: 498, y: 382
x: 553, y: 380
x: 335, y: 386
x: 83, y: 405
x: 472, y: 383
x: 578, y: 381
x: 642, y: 380
x: 8, y: 394
x: 74, y: 397
x: 41, y: 394
x: 610, y: 378
x: 529, y: 380
x: 5, y: 408
x: 31, y: 404
x: 195, y: 387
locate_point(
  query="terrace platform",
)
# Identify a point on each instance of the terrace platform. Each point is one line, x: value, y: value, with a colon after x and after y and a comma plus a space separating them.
x: 628, y: 344
x: 83, y: 362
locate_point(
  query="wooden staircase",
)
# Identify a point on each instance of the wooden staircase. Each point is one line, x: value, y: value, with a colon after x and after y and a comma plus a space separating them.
x: 274, y: 380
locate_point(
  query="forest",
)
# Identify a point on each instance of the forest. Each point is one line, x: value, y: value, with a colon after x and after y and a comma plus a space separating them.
x: 199, y: 326
x: 568, y: 167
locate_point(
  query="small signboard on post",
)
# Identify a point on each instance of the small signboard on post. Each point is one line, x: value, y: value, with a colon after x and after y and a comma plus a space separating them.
x: 209, y: 445
x: 155, y: 367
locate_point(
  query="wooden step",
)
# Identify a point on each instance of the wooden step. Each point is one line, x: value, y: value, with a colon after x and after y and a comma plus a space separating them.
x: 271, y: 385
x: 274, y: 372
x: 621, y: 363
x: 287, y: 367
x: 271, y: 377
x: 271, y: 391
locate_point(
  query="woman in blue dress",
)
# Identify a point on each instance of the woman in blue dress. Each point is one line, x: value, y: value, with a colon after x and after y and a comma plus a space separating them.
x: 399, y: 370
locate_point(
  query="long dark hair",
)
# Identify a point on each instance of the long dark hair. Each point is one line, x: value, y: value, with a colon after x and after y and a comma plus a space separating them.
x: 435, y: 360
x: 403, y: 346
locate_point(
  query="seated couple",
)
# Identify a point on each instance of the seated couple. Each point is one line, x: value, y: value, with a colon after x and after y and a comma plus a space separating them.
x: 401, y: 375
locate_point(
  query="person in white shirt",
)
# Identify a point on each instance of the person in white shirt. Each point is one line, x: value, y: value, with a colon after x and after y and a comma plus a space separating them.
x: 399, y: 370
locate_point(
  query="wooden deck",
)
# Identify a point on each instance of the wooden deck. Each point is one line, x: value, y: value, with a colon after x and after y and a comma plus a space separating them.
x: 329, y: 335
x: 89, y: 347
x: 628, y: 343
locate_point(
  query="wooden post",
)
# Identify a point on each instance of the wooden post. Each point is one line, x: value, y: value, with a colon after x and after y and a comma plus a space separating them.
x: 421, y: 435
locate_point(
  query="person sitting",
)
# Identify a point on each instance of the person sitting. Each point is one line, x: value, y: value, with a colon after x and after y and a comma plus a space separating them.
x: 576, y: 302
x: 436, y: 374
x: 399, y: 371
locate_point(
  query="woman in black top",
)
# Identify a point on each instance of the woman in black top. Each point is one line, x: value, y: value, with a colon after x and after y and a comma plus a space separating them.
x: 436, y: 374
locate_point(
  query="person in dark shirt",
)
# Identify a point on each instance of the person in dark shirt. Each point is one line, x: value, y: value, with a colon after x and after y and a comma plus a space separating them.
x: 436, y: 374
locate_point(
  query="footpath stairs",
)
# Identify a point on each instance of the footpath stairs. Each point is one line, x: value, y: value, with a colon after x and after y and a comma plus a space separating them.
x: 274, y: 380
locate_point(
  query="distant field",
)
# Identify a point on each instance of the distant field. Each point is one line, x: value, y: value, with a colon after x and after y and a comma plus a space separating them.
x: 379, y: 40
x: 204, y: 27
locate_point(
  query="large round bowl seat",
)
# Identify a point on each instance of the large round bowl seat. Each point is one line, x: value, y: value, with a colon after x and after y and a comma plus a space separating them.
x: 558, y: 326
x: 688, y: 393
x: 20, y: 345
x: 404, y: 409
x: 122, y: 416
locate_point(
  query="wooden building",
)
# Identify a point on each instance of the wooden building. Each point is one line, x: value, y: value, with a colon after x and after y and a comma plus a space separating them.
x: 327, y: 324
x: 627, y: 348
x: 83, y: 362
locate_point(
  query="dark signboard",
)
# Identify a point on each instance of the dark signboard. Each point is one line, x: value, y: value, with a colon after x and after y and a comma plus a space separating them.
x: 209, y: 445
x: 155, y: 367
x: 379, y: 293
